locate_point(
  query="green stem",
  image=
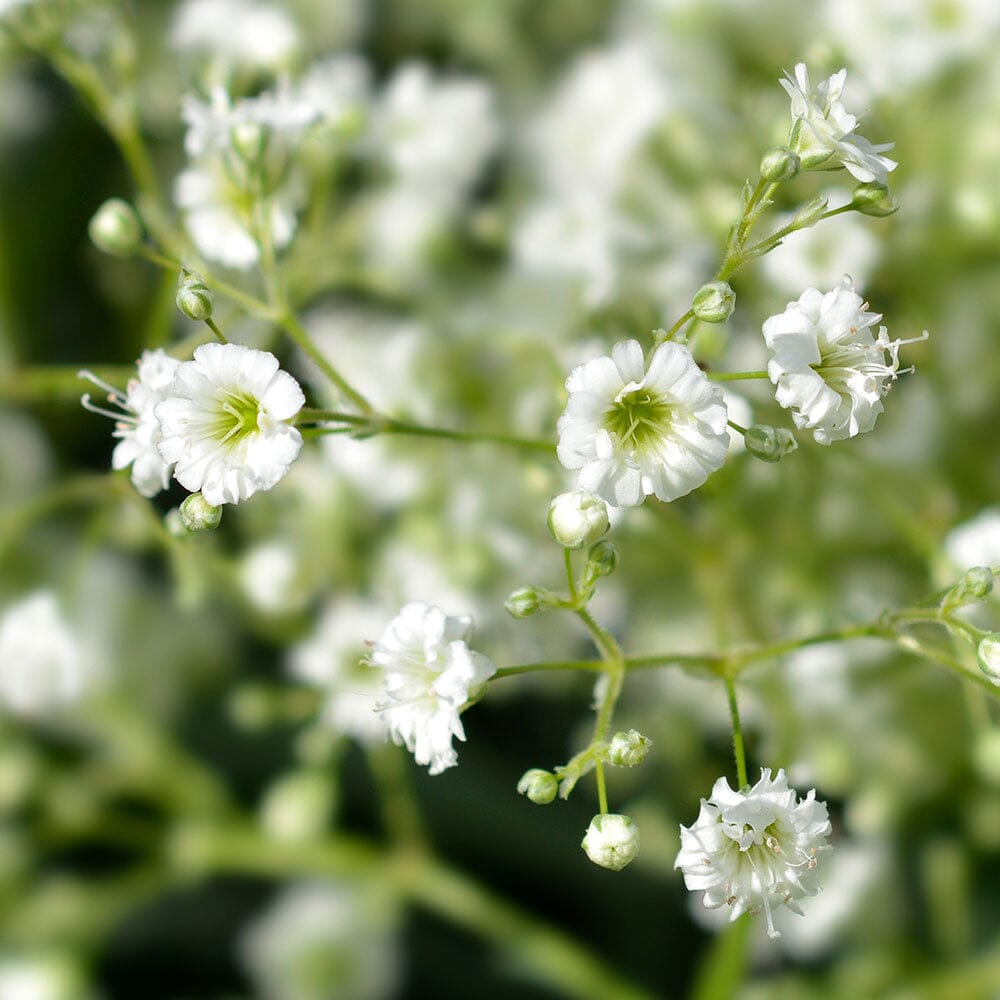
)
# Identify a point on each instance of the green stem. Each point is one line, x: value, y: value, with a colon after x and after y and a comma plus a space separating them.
x: 389, y: 425
x: 672, y: 332
x: 736, y: 376
x: 570, y: 577
x: 738, y: 751
x: 219, y: 335
x: 602, y: 790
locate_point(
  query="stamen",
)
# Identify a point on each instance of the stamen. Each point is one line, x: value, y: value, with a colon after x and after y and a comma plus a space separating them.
x: 121, y: 418
x: 115, y: 396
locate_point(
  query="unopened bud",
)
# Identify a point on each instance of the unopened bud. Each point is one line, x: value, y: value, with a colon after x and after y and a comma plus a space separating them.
x: 540, y: 786
x: 779, y: 163
x: 714, y: 302
x: 874, y: 199
x: 602, y: 559
x: 627, y: 749
x: 769, y: 444
x: 577, y: 519
x: 297, y: 807
x: 116, y: 229
x: 974, y: 586
x: 522, y: 602
x: 810, y: 213
x: 197, y: 514
x: 611, y: 841
x: 989, y: 656
x: 194, y: 297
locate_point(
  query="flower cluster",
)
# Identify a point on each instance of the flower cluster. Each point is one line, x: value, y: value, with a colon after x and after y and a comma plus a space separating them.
x: 219, y: 423
x: 755, y: 849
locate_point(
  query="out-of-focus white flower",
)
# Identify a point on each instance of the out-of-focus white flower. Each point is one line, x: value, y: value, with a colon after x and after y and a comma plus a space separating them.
x: 324, y: 939
x: 237, y: 32
x: 269, y: 575
x: 224, y: 422
x: 329, y: 659
x: 338, y: 88
x: 429, y: 672
x: 42, y: 977
x: 137, y: 426
x: 43, y: 666
x: 828, y: 368
x: 435, y: 133
x: 218, y: 219
x: 8, y: 6
x: 634, y: 432
x: 757, y: 849
x: 611, y: 841
x: 975, y: 542
x: 823, y: 130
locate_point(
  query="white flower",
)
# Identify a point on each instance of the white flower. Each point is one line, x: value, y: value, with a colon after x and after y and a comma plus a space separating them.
x: 975, y: 542
x: 757, y: 849
x: 828, y: 368
x: 271, y: 578
x: 338, y: 88
x: 42, y: 663
x: 577, y: 519
x: 429, y: 671
x: 224, y: 422
x: 236, y: 32
x: 136, y: 425
x: 633, y: 432
x: 823, y: 130
x: 611, y: 841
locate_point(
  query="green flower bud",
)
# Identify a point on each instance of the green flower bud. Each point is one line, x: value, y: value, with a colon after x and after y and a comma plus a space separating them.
x: 540, y: 786
x: 602, y: 560
x: 974, y: 586
x: 810, y: 213
x: 197, y: 514
x: 116, y: 229
x: 989, y: 656
x: 611, y: 841
x: 779, y: 163
x: 769, y: 444
x: 577, y: 519
x: 714, y: 302
x: 874, y: 199
x: 627, y: 749
x: 194, y: 297
x: 522, y: 602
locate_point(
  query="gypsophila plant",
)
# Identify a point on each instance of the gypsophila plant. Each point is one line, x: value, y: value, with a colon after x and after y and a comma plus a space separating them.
x: 410, y: 355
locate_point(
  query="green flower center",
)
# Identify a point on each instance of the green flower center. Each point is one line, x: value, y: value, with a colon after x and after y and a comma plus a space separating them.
x: 640, y: 420
x: 237, y: 418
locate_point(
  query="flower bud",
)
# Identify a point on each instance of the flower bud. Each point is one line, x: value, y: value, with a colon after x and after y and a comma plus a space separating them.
x: 714, y: 302
x: 577, y: 519
x: 611, y: 841
x: 194, y: 297
x: 116, y: 229
x: 522, y: 602
x: 989, y: 656
x: 874, y: 199
x: 769, y: 444
x: 602, y: 560
x: 810, y: 213
x: 297, y: 807
x: 779, y: 163
x: 974, y: 586
x: 540, y: 786
x: 197, y: 514
x: 627, y: 749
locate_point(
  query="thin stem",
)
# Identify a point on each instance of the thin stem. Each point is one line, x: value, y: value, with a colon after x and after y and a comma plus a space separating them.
x: 736, y: 427
x: 534, y: 668
x: 736, y: 376
x: 311, y: 415
x: 602, y: 790
x: 219, y: 335
x: 389, y: 425
x: 738, y: 751
x: 570, y: 577
x: 672, y: 332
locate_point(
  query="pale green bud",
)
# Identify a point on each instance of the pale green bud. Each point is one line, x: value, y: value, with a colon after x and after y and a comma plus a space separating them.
x: 989, y: 656
x: 974, y: 586
x: 297, y: 807
x: 194, y: 297
x: 116, y: 229
x: 540, y: 786
x: 779, y: 163
x: 627, y: 749
x: 810, y: 213
x: 769, y: 444
x: 522, y: 602
x: 874, y: 199
x: 577, y: 519
x: 611, y: 841
x: 198, y: 514
x: 714, y: 302
x: 602, y: 560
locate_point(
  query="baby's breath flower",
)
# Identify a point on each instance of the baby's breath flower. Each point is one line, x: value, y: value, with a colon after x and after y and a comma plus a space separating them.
x: 577, y: 519
x: 236, y: 32
x: 828, y: 368
x: 224, y: 422
x: 755, y: 849
x: 823, y: 130
x: 136, y: 424
x: 611, y: 841
x: 633, y: 431
x: 429, y: 672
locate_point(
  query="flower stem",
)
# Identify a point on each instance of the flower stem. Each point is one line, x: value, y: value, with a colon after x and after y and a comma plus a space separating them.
x: 570, y: 578
x: 738, y: 751
x: 219, y: 335
x: 673, y: 331
x: 736, y: 376
x: 602, y: 790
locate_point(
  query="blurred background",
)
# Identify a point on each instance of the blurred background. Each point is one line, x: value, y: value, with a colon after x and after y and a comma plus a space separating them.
x: 505, y: 190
